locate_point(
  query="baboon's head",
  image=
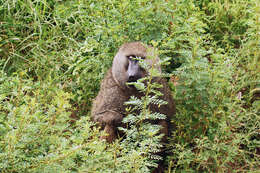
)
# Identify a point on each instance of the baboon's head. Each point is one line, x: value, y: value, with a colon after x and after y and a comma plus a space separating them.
x: 126, y: 66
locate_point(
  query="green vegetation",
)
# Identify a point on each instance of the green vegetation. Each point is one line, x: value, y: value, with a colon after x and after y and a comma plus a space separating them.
x: 55, y: 53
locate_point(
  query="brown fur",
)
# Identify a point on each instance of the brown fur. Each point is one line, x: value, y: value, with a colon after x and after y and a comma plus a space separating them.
x: 108, y: 107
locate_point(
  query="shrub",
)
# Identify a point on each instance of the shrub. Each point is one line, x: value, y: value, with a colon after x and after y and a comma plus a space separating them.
x: 54, y: 54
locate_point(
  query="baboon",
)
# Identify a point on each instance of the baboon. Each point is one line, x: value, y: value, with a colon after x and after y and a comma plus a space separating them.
x: 108, y: 107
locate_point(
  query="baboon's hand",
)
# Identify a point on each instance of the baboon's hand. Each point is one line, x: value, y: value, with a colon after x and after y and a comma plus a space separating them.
x: 110, y: 133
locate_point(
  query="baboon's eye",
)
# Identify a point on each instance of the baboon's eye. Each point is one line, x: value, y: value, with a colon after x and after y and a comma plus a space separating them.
x: 130, y: 57
x: 134, y: 57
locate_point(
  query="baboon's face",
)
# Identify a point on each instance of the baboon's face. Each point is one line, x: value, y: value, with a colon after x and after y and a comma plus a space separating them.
x: 133, y: 69
x: 126, y: 64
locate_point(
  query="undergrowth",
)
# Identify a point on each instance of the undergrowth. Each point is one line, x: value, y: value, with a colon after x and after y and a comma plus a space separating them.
x: 55, y: 53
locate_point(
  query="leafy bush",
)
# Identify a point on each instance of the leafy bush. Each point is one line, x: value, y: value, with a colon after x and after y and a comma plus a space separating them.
x: 54, y: 54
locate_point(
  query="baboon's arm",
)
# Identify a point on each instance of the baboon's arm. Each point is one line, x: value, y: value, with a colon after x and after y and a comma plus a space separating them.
x: 110, y: 117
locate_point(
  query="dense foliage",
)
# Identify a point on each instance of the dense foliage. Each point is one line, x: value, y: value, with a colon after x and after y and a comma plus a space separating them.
x: 55, y: 53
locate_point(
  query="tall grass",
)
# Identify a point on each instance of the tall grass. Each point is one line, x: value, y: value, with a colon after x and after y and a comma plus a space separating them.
x: 55, y: 53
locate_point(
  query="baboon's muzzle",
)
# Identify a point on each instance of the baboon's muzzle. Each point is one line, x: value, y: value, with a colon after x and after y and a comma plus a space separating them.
x: 134, y: 71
